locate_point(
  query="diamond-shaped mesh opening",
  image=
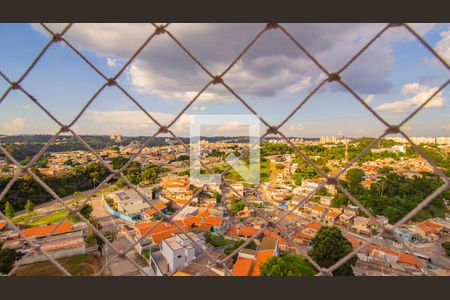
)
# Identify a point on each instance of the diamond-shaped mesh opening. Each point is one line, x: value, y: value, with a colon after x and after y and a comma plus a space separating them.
x: 214, y: 260
x: 128, y: 36
x: 60, y: 86
x: 411, y: 75
x: 20, y: 49
x: 24, y: 124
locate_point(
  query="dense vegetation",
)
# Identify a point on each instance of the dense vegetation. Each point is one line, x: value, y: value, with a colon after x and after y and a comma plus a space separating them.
x: 8, y: 257
x: 394, y: 195
x: 287, y: 265
x: 135, y: 173
x: 80, y: 178
x: 330, y: 246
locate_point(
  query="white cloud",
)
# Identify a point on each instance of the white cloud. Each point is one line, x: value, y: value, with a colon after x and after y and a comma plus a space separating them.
x: 446, y: 126
x: 233, y: 129
x: 297, y: 127
x: 340, y: 132
x: 14, y: 126
x: 112, y: 62
x: 301, y: 85
x: 443, y: 46
x: 369, y: 99
x: 127, y: 122
x: 272, y: 66
x: 200, y: 108
x: 420, y: 94
x: 24, y: 107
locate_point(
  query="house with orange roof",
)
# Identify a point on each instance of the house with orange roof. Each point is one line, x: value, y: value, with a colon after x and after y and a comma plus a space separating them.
x: 331, y: 216
x: 38, y: 232
x: 391, y: 256
x: 3, y: 224
x: 318, y: 211
x: 240, y: 231
x: 156, y: 231
x: 64, y: 241
x: 242, y: 267
x: 214, y: 224
x: 261, y: 257
x: 410, y: 259
x: 354, y: 241
x: 149, y: 214
x: 307, y: 234
x: 249, y: 262
x: 429, y: 230
x: 179, y: 273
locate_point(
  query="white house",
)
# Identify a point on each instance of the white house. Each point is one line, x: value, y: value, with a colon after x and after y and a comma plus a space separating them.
x: 176, y: 253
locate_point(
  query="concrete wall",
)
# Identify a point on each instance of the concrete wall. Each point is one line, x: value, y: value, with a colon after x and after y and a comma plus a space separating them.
x: 117, y: 214
x: 56, y: 254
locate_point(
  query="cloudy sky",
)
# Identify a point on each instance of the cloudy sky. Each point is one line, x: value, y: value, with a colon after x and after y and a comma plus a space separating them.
x: 394, y: 76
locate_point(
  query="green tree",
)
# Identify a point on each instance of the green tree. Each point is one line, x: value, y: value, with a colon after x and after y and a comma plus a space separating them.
x: 279, y: 166
x: 120, y: 183
x: 237, y: 206
x: 149, y: 173
x: 29, y: 206
x: 274, y: 266
x: 9, y: 210
x: 68, y: 162
x: 339, y: 200
x: 287, y: 265
x: 86, y: 211
x: 354, y: 176
x: 218, y: 197
x: 110, y: 235
x: 329, y: 246
x: 7, y: 259
x: 93, y: 239
x: 118, y: 162
x: 446, y: 246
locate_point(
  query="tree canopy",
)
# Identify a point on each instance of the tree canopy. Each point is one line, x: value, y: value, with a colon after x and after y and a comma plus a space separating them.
x: 329, y: 246
x: 287, y: 265
x: 7, y: 259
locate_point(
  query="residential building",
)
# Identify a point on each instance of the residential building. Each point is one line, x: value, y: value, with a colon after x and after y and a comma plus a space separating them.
x: 176, y: 253
x: 249, y: 262
x: 361, y: 225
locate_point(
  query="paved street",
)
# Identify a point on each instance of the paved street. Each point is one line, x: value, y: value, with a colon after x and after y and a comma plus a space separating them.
x: 436, y: 252
x: 122, y: 266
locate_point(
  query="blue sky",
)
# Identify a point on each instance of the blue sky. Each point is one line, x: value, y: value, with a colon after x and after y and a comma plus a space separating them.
x: 394, y: 76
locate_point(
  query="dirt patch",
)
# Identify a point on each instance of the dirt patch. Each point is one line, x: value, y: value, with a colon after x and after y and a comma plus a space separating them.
x: 78, y: 265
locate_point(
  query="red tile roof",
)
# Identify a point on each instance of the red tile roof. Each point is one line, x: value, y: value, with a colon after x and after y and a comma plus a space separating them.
x: 151, y: 211
x: 261, y: 257
x: 312, y: 226
x: 332, y: 214
x: 214, y: 221
x: 190, y: 220
x: 161, y: 231
x: 242, y: 267
x: 43, y: 231
x: 355, y: 242
x: 318, y: 208
x: 410, y: 260
x: 67, y: 243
